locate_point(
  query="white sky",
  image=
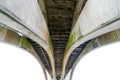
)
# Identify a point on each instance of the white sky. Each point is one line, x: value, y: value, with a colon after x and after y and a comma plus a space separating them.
x: 100, y: 64
x: 17, y: 64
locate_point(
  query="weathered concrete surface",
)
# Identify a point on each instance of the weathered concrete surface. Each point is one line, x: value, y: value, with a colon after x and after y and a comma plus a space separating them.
x: 97, y: 12
x: 25, y: 16
x: 29, y: 13
x: 98, y: 17
x: 60, y: 17
x: 11, y: 37
x: 79, y: 6
x: 43, y: 8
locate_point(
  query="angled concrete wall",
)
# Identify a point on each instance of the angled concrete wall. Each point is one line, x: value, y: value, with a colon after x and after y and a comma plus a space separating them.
x: 97, y: 18
x: 25, y: 17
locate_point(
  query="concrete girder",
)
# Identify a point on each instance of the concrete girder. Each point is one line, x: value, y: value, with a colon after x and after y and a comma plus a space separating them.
x: 79, y: 7
x: 27, y: 20
x: 92, y: 22
x: 11, y: 37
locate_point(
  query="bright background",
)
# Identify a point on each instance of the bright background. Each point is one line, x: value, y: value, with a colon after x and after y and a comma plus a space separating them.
x: 17, y: 64
x: 100, y: 64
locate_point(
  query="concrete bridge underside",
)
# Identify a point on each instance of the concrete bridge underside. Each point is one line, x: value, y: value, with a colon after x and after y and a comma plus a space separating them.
x: 59, y: 32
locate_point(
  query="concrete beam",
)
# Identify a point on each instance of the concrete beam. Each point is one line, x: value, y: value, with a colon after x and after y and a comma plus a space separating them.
x: 97, y: 18
x: 25, y: 17
x: 43, y: 8
x: 11, y: 37
x: 79, y: 6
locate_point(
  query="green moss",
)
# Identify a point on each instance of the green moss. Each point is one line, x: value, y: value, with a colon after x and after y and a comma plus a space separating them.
x: 24, y: 43
x: 70, y: 42
x: 73, y: 38
x: 50, y: 42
